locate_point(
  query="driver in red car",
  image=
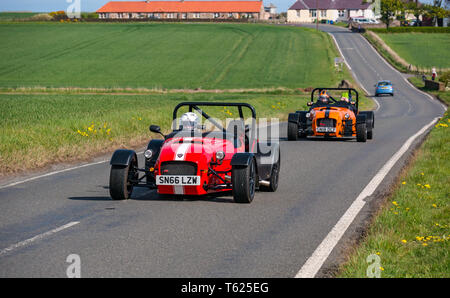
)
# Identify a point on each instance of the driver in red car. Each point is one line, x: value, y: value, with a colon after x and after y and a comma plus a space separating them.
x: 189, y: 121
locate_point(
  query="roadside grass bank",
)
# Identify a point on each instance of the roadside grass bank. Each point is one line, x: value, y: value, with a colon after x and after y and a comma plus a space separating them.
x: 412, y: 52
x: 443, y: 96
x: 38, y: 130
x: 410, y: 235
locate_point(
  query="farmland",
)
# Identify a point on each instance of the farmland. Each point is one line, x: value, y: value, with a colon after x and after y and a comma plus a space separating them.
x: 159, y: 56
x: 421, y: 49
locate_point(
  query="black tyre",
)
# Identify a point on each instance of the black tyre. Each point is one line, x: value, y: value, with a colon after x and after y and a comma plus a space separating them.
x: 370, y: 134
x: 274, y: 177
x: 361, y: 132
x: 244, y: 183
x: 120, y: 180
x: 292, y: 131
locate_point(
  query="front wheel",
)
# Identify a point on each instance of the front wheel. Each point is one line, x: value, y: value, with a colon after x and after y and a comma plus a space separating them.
x: 244, y: 183
x: 121, y: 180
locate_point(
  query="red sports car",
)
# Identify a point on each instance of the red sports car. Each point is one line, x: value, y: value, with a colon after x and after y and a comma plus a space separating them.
x: 192, y: 161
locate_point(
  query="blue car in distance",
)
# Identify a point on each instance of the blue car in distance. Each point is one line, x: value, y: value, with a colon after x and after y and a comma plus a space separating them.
x: 384, y: 87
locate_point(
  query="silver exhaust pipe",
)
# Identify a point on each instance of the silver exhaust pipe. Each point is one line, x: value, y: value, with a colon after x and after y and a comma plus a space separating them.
x: 264, y: 183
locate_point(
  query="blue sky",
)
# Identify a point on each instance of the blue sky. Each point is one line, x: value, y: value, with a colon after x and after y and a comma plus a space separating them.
x: 90, y: 5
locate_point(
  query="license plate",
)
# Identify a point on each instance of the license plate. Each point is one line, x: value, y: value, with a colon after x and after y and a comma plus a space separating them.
x: 177, y: 180
x: 326, y: 129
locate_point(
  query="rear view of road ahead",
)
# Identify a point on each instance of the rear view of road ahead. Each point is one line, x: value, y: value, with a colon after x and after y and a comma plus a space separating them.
x: 72, y: 213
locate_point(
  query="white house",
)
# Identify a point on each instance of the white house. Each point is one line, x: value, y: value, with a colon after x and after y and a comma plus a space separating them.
x: 305, y: 11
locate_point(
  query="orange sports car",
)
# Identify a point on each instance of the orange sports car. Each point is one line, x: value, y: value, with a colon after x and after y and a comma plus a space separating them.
x: 332, y: 117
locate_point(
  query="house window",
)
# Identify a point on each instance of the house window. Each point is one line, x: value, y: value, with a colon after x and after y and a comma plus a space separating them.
x: 312, y: 13
x: 298, y: 13
x: 169, y: 16
x: 341, y: 13
x: 184, y: 15
x: 216, y: 15
x: 230, y: 15
x: 323, y: 13
x: 196, y: 15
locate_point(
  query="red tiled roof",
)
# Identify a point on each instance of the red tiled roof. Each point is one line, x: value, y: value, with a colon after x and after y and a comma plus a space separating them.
x: 182, y: 6
x: 329, y: 4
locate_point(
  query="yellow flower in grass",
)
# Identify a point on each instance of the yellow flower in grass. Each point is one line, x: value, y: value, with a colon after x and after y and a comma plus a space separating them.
x: 424, y: 244
x: 404, y: 241
x: 381, y: 268
x: 427, y: 185
x: 434, y: 205
x: 404, y: 182
x: 395, y: 203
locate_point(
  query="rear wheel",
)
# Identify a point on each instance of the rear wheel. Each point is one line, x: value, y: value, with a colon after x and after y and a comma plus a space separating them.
x: 292, y: 131
x: 121, y: 180
x: 361, y: 132
x: 244, y: 183
x: 274, y: 177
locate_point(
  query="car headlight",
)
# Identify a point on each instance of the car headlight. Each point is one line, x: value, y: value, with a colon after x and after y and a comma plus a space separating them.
x: 346, y: 116
x: 220, y: 155
x: 148, y: 153
x: 312, y: 114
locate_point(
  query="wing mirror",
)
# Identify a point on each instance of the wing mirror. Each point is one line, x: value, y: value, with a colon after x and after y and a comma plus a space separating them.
x: 309, y: 103
x: 156, y: 129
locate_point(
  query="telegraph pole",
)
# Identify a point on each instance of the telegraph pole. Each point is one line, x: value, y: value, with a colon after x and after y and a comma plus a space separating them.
x: 317, y: 15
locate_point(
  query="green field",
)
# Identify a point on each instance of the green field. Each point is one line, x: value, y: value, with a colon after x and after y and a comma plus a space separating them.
x: 9, y: 16
x: 37, y: 130
x: 172, y: 56
x: 421, y: 49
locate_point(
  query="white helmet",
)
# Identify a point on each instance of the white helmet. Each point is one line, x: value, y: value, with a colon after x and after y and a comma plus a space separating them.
x: 189, y: 121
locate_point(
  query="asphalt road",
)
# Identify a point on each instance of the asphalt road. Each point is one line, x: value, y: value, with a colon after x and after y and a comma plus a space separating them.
x: 150, y: 237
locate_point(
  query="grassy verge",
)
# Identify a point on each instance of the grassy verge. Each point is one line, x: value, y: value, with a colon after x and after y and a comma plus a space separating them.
x: 444, y: 96
x: 38, y: 130
x: 385, y: 53
x: 410, y: 235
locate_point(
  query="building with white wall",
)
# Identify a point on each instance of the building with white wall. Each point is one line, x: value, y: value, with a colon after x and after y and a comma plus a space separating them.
x: 306, y: 11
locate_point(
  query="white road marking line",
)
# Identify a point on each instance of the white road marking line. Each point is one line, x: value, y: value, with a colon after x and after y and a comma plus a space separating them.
x: 38, y: 237
x: 56, y: 172
x: 339, y: 49
x: 320, y: 255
